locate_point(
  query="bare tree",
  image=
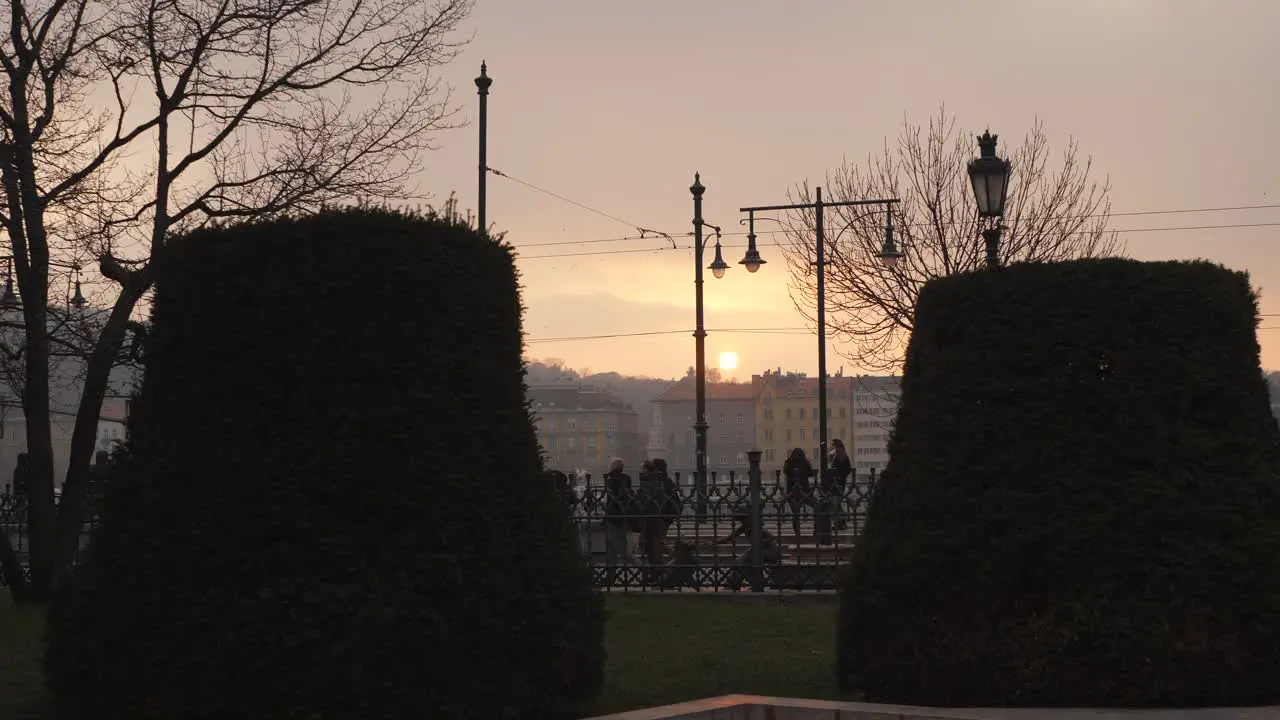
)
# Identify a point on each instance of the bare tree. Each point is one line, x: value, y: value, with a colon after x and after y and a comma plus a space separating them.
x: 127, y: 123
x: 1054, y: 212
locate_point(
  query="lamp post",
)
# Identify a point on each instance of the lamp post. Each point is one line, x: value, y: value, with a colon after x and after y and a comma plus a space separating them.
x: 482, y: 89
x: 990, y: 178
x: 889, y: 255
x: 9, y: 297
x: 752, y: 262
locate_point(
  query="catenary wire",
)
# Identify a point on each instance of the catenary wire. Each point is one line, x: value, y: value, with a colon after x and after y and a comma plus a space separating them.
x: 610, y: 336
x: 619, y: 251
x: 750, y: 331
x: 646, y: 235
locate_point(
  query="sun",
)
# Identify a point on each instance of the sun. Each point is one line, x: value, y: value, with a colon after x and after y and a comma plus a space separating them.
x: 728, y: 361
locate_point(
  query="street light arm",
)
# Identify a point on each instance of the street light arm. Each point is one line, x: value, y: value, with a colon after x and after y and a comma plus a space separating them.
x: 744, y: 221
x: 707, y: 239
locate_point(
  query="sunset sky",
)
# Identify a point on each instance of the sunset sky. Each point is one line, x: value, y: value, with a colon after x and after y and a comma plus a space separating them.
x: 615, y: 106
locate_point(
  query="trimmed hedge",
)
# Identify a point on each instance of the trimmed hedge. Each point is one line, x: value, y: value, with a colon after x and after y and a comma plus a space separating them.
x: 337, y: 508
x: 1081, y: 506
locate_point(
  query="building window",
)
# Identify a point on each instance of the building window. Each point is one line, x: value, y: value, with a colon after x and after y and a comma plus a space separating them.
x: 788, y: 413
x: 724, y: 458
x: 802, y: 433
x: 671, y: 441
x: 724, y: 436
x: 788, y: 434
x: 740, y: 437
x: 571, y: 442
x: 843, y: 412
x: 722, y: 421
x: 801, y: 413
x: 739, y: 419
x: 571, y: 423
x: 741, y: 458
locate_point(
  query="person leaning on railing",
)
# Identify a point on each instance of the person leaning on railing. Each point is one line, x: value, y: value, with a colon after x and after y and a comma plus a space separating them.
x: 618, y: 495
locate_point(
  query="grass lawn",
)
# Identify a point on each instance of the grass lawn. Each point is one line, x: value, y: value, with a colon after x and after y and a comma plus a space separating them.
x: 661, y: 650
x: 664, y: 650
x: 21, y: 683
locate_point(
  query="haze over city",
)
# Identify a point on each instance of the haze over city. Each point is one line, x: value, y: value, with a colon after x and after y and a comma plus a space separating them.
x: 616, y: 106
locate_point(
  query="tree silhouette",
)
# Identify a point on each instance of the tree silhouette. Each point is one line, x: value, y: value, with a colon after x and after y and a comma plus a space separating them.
x: 128, y: 123
x: 1055, y: 211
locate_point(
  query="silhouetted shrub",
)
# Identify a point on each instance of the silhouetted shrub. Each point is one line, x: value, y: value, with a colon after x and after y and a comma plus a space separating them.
x: 336, y: 508
x: 1080, y: 508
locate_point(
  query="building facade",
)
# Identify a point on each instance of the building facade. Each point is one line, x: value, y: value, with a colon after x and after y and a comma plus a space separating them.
x: 787, y: 414
x: 62, y: 423
x: 875, y: 407
x: 583, y: 427
x: 731, y: 428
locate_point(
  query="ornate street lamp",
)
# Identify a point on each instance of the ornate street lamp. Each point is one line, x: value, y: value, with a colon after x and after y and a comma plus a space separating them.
x: 990, y: 178
x: 77, y: 300
x: 751, y: 260
x: 889, y: 252
x: 9, y: 301
x: 718, y: 267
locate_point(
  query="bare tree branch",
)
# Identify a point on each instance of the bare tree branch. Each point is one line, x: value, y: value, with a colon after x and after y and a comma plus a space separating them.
x: 1054, y: 212
x: 127, y: 123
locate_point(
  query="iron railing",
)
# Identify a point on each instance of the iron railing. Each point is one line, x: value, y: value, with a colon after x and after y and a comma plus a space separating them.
x: 13, y: 522
x: 784, y: 541
x: 682, y: 541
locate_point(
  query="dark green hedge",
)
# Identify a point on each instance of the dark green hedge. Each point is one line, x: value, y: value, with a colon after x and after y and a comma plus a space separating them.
x: 1081, y: 505
x: 337, y: 510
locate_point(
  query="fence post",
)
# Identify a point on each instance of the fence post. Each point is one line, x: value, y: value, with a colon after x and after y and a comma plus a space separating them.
x: 700, y: 496
x: 757, y: 547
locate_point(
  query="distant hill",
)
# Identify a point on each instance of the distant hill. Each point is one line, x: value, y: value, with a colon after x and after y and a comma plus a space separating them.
x: 637, y: 392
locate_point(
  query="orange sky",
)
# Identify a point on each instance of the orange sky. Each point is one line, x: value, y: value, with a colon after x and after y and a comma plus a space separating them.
x: 616, y: 105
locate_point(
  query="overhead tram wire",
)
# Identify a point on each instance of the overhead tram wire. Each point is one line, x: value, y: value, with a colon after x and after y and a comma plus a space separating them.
x: 651, y: 333
x: 645, y: 233
x: 619, y: 251
x: 749, y: 331
x: 648, y: 233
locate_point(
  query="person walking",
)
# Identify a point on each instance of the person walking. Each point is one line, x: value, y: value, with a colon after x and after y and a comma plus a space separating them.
x: 797, y: 470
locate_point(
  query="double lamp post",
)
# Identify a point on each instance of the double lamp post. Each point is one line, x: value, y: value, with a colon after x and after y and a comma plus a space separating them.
x: 989, y: 176
x: 889, y: 255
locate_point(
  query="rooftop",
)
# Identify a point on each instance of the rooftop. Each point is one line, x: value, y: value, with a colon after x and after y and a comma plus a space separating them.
x: 685, y: 390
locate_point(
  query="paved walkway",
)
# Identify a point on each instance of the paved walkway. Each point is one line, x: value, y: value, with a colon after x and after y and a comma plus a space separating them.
x: 753, y: 707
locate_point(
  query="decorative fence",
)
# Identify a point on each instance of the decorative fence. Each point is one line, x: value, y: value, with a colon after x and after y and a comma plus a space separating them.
x: 13, y: 522
x: 742, y: 532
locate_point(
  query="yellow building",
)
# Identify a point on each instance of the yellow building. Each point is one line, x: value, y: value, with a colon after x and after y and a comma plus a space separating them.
x: 787, y: 415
